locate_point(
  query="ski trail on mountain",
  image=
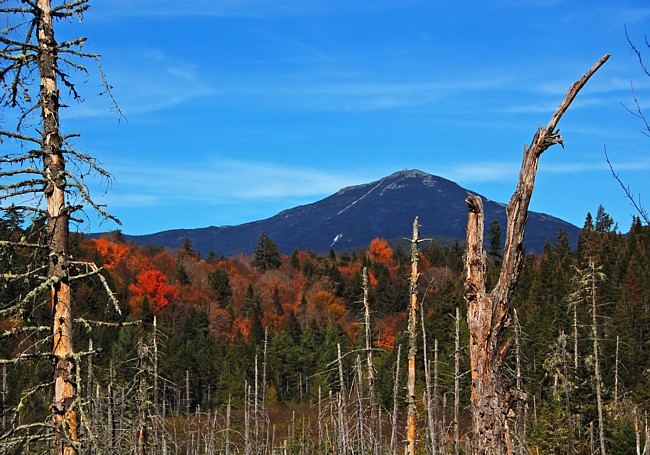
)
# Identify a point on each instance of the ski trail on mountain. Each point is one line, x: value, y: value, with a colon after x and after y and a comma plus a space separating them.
x: 354, y: 202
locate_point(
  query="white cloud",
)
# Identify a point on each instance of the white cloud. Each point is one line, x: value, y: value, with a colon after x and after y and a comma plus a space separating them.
x: 482, y: 172
x: 213, y: 183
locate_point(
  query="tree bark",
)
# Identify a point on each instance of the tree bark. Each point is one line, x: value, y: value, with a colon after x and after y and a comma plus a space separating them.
x: 374, y: 420
x: 64, y: 405
x: 428, y: 399
x: 567, y: 395
x: 488, y: 314
x: 412, y: 325
x: 457, y: 382
x: 393, y: 430
x: 521, y: 405
x: 597, y: 375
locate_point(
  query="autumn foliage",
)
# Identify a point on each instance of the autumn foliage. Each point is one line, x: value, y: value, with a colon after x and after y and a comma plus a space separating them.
x: 381, y: 253
x: 153, y: 285
x: 111, y: 253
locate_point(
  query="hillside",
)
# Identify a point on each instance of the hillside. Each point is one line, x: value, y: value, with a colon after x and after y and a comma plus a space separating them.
x: 355, y: 215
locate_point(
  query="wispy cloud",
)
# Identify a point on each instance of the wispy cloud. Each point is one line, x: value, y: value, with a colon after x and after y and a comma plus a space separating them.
x: 482, y: 172
x: 499, y: 171
x: 214, y: 183
x: 148, y: 80
x: 355, y: 92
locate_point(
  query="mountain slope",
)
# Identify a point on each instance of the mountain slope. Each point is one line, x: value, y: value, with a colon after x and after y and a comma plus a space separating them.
x: 355, y: 215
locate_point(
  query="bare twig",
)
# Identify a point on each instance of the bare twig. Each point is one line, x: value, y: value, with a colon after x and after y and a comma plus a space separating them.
x: 628, y: 193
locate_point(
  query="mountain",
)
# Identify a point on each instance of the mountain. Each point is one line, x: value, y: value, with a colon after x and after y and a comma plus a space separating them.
x: 355, y: 215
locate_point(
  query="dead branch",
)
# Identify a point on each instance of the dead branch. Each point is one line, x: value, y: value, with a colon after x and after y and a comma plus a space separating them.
x: 17, y: 330
x: 96, y: 271
x: 628, y: 193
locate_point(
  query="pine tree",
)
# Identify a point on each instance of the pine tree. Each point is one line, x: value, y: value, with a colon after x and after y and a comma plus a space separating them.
x: 266, y: 255
x: 494, y: 240
x: 220, y: 282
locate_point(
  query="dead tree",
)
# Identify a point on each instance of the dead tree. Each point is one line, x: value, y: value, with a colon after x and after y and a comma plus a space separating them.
x: 412, y: 333
x: 374, y: 419
x: 36, y: 181
x: 488, y: 312
x: 428, y: 399
x: 393, y: 427
x: 457, y: 382
x: 567, y: 394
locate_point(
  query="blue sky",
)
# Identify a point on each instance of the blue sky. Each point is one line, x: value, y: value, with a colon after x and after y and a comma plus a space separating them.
x: 237, y: 110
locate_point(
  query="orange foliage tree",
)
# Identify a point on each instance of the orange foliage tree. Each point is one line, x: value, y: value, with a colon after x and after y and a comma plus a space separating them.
x: 333, y: 308
x: 111, y: 253
x: 153, y: 285
x: 380, y: 252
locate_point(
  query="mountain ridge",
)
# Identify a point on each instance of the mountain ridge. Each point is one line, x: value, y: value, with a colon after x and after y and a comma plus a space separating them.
x: 354, y: 215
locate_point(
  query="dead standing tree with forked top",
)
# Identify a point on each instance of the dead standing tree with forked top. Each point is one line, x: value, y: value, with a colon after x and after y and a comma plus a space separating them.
x: 488, y: 313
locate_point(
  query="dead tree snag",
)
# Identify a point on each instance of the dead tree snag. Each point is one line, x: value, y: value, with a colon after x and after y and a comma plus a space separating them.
x: 488, y: 313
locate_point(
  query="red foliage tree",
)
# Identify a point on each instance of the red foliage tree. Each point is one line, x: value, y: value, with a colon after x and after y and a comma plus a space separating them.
x: 153, y: 284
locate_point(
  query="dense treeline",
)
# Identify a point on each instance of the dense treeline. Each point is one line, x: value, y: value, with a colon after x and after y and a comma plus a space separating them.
x: 264, y: 333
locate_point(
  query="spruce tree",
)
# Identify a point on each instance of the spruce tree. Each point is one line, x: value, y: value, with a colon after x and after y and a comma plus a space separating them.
x: 266, y: 255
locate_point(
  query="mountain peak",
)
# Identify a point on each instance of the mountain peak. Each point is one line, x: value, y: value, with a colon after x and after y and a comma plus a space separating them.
x: 409, y: 173
x: 355, y: 215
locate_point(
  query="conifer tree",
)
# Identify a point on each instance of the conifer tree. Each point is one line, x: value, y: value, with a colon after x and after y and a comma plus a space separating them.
x: 494, y: 239
x: 266, y: 255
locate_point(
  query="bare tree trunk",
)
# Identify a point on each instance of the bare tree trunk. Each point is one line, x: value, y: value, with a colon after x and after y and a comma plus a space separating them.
x: 265, y: 429
x: 333, y: 437
x: 247, y: 423
x: 521, y: 405
x: 436, y: 398
x: 360, y: 410
x: 155, y: 364
x: 374, y: 423
x: 187, y: 411
x: 4, y: 403
x: 256, y: 424
x: 227, y: 445
x: 457, y: 383
x: 142, y: 399
x: 156, y: 426
x: 488, y: 313
x: 342, y: 406
x: 187, y: 393
x: 597, y: 375
x: 320, y: 419
x: 412, y: 333
x: 576, y: 353
x: 443, y: 423
x: 567, y: 394
x: 646, y: 448
x: 616, y: 380
x: 393, y: 430
x: 428, y: 401
x: 110, y: 417
x: 637, y: 431
x: 64, y: 404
